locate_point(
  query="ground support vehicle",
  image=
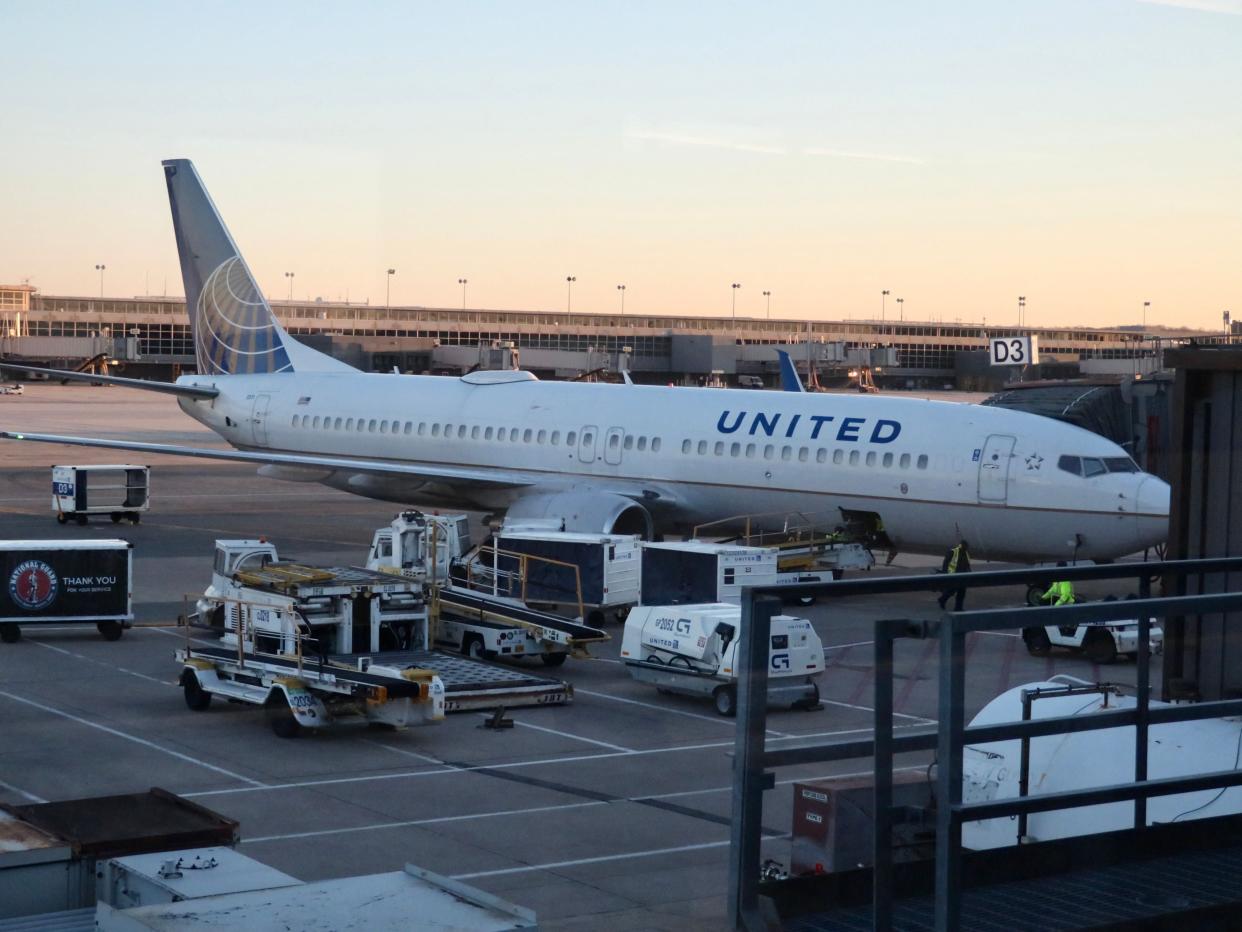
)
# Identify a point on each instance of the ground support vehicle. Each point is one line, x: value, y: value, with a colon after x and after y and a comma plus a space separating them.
x: 1099, y: 642
x: 66, y: 582
x: 692, y: 650
x: 690, y: 571
x: 471, y: 612
x: 122, y: 492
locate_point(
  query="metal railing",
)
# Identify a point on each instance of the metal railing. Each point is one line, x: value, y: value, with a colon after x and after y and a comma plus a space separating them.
x: 950, y: 735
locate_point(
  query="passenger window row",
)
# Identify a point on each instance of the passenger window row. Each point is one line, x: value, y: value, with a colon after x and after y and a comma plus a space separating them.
x: 464, y: 432
x: 786, y: 453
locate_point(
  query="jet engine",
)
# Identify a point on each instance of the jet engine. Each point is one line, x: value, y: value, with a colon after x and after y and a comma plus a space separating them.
x: 585, y: 512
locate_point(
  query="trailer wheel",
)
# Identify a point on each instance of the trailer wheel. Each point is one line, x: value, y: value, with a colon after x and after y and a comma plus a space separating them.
x: 116, y: 517
x: 10, y: 633
x: 280, y: 717
x: 725, y: 698
x: 83, y: 520
x: 472, y: 647
x: 1099, y: 647
x: 595, y: 618
x: 111, y: 630
x: 553, y: 660
x: 62, y: 518
x: 196, y: 698
x: 1034, y: 595
x: 1037, y: 642
x: 811, y: 702
x: 134, y: 517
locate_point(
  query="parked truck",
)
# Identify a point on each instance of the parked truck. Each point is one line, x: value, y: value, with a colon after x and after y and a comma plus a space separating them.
x: 66, y: 582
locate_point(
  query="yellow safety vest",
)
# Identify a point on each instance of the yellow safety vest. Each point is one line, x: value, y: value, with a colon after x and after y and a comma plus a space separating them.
x: 957, y: 552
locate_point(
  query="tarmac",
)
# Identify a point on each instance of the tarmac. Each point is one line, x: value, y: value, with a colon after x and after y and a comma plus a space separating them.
x: 609, y: 813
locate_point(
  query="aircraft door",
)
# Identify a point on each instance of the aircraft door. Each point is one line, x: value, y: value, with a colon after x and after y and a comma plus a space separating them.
x: 994, y: 469
x: 258, y: 418
x: 612, y: 445
x: 586, y: 443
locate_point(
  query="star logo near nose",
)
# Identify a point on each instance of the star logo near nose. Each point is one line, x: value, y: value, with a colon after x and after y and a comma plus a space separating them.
x: 1034, y: 461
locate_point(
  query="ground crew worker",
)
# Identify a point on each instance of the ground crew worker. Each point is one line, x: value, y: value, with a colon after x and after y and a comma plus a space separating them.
x: 1059, y: 593
x: 956, y: 560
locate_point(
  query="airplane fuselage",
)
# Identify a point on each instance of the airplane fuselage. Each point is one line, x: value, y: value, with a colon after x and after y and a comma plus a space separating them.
x: 933, y: 472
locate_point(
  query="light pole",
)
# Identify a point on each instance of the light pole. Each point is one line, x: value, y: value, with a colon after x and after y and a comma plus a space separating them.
x: 289, y: 275
x: 1225, y: 317
x: 1146, y: 305
x: 569, y: 293
x: 388, y: 288
x: 768, y: 297
x: 736, y: 286
x: 1021, y: 309
x: 100, y: 270
x: 463, y: 282
x: 621, y: 290
x: 883, y: 303
x: 901, y: 309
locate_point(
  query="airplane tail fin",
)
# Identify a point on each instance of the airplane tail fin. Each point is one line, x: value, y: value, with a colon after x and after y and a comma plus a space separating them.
x: 235, y: 331
x: 789, y: 374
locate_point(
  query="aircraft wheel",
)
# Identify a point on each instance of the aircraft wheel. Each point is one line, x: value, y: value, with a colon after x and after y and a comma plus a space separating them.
x: 10, y: 633
x: 725, y: 698
x: 1037, y: 643
x: 1099, y: 646
x: 553, y: 660
x: 196, y: 697
x: 111, y: 630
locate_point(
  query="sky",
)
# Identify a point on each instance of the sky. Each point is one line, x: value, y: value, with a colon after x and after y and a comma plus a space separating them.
x: 1086, y: 154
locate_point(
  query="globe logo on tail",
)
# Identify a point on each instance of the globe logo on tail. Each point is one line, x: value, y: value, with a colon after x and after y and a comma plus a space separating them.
x: 235, y: 331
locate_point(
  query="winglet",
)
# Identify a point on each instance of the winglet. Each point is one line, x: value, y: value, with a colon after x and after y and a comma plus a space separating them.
x: 789, y: 374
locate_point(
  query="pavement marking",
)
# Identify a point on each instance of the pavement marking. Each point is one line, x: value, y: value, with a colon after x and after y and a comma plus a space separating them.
x: 408, y: 823
x: 255, y: 784
x: 867, y: 708
x: 653, y: 852
x: 718, y: 719
x: 1000, y: 634
x: 101, y: 663
x: 20, y: 792
x: 423, y: 757
x: 565, y: 734
x: 844, y: 646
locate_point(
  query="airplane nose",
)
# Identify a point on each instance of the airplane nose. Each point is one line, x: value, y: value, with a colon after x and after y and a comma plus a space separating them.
x: 1153, y: 512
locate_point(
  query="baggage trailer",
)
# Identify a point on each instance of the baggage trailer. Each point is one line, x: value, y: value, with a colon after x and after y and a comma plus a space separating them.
x: 123, y: 492
x: 66, y: 582
x: 489, y: 626
x: 608, y: 570
x: 683, y: 572
x: 692, y: 650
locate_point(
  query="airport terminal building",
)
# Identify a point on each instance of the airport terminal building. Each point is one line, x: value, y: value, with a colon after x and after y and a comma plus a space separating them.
x: 151, y: 335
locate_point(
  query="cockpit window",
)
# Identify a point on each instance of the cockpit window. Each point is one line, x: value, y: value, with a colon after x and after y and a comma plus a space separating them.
x: 1093, y: 467
x: 1071, y: 464
x: 1120, y: 464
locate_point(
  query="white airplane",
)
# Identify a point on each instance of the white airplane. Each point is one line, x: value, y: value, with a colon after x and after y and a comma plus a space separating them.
x: 634, y: 459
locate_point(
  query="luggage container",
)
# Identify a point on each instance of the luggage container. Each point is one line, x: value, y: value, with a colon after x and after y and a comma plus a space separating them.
x: 66, y: 582
x: 122, y: 492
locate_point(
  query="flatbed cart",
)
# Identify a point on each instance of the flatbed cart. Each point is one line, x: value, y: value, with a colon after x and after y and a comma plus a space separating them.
x: 122, y: 492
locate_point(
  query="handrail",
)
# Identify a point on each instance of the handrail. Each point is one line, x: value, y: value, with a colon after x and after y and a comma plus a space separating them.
x: 523, y: 571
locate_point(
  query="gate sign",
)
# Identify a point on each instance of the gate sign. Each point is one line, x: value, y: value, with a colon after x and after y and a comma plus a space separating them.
x: 1014, y: 351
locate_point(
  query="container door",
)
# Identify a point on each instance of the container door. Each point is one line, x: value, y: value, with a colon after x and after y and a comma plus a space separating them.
x: 258, y: 418
x: 586, y: 443
x: 612, y: 445
x: 994, y: 469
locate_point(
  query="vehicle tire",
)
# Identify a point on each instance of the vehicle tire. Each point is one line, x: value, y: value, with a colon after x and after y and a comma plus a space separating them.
x: 725, y: 698
x: 116, y: 517
x: 83, y: 520
x: 805, y: 600
x: 1034, y: 595
x: 111, y: 630
x: 196, y: 698
x: 595, y: 618
x: 811, y: 702
x: 62, y: 518
x: 280, y: 717
x: 553, y: 660
x: 622, y: 613
x: 1099, y: 647
x: 1037, y: 642
x: 134, y: 517
x: 472, y: 647
x: 10, y: 633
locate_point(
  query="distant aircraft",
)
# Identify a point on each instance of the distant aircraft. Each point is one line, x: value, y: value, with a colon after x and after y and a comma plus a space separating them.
x: 634, y: 459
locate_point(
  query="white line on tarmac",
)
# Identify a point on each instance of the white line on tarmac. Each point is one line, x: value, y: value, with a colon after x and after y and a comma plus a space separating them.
x: 134, y: 738
x: 728, y: 722
x: 843, y: 646
x: 20, y: 792
x: 414, y: 754
x: 100, y: 663
x: 1002, y: 634
x: 552, y: 865
x: 867, y: 708
x: 565, y: 734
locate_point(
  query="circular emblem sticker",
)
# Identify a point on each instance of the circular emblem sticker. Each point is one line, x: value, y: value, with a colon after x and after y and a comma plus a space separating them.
x: 33, y: 585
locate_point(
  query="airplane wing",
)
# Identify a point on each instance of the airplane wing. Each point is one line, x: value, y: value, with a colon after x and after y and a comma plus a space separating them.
x: 169, y: 388
x: 448, y: 475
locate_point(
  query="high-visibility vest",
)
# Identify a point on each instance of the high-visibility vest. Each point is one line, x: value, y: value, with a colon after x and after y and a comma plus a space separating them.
x: 1060, y: 593
x: 957, y: 552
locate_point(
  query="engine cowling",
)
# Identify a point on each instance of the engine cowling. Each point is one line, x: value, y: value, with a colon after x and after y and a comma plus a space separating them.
x: 585, y: 512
